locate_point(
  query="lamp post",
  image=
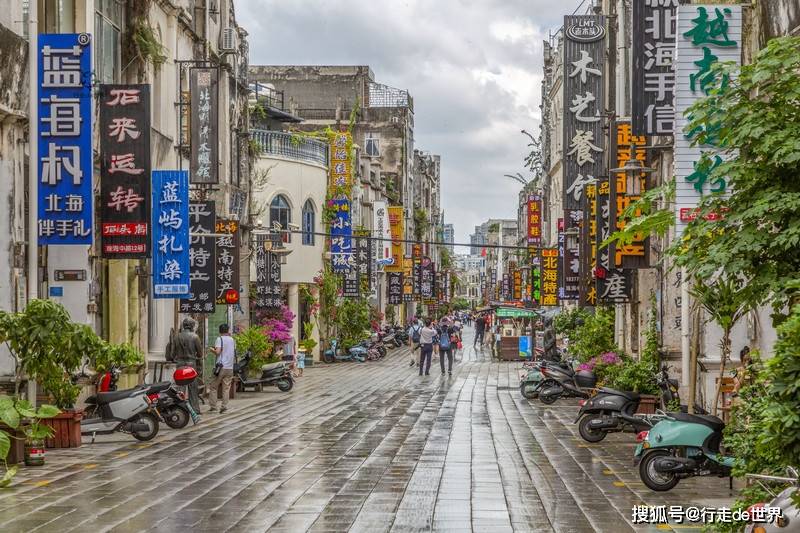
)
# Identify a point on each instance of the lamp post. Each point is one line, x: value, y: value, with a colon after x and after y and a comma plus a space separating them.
x: 634, y: 171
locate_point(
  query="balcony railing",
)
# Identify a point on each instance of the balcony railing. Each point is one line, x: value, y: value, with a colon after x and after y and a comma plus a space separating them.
x: 281, y: 144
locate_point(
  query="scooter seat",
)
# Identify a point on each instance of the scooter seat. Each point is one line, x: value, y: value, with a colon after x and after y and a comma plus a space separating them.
x: 632, y: 396
x: 113, y: 396
x: 158, y: 387
x: 272, y: 366
x: 707, y: 420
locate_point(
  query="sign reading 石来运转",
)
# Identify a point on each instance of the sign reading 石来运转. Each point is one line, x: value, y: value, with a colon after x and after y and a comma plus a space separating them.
x: 65, y: 139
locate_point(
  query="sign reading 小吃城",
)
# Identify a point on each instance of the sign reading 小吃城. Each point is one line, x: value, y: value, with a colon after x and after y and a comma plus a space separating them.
x: 170, y: 233
x: 584, y: 60
x: 706, y: 34
x: 125, y: 170
x: 65, y: 139
x: 202, y: 259
x: 341, y: 235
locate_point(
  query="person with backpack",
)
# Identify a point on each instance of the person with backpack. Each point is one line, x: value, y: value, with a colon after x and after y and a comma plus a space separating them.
x: 446, y: 347
x: 414, y: 337
x: 186, y: 349
x: 426, y: 342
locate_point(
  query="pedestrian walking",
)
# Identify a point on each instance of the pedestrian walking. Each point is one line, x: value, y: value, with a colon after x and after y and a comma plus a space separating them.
x: 225, y: 349
x: 446, y: 348
x: 301, y: 362
x: 426, y: 336
x: 186, y: 349
x: 480, y: 328
x: 413, y: 338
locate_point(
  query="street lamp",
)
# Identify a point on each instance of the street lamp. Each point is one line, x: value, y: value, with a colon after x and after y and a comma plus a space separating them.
x: 633, y: 170
x: 518, y: 177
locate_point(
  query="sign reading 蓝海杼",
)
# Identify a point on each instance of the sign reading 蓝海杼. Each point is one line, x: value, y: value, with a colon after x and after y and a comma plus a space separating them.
x: 705, y: 35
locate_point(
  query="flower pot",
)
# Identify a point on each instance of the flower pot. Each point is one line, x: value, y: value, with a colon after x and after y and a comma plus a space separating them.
x: 67, y: 429
x: 647, y: 404
x: 34, y: 452
x: 16, y: 454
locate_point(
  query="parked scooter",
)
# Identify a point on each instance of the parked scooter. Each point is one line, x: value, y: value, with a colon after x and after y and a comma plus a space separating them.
x: 562, y: 381
x: 277, y: 374
x: 333, y: 354
x: 127, y: 411
x: 172, y: 404
x: 680, y: 446
x: 531, y: 379
x: 789, y: 520
x: 669, y: 391
x: 610, y: 411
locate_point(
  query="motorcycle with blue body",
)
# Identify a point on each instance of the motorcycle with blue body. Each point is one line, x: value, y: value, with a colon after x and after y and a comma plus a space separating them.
x: 679, y: 446
x: 334, y: 353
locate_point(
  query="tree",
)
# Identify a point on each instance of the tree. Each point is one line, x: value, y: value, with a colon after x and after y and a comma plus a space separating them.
x: 726, y: 300
x: 754, y: 232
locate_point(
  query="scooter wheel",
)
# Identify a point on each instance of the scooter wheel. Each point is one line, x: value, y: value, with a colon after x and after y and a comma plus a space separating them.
x: 658, y: 481
x: 176, y: 417
x: 587, y: 433
x: 528, y: 390
x: 284, y: 385
x: 549, y: 399
x: 328, y: 357
x: 152, y: 423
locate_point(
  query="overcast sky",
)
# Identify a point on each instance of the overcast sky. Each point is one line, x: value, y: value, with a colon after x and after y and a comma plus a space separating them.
x: 473, y: 67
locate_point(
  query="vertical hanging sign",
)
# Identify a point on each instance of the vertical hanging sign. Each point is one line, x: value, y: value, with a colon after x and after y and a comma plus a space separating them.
x: 341, y: 236
x: 170, y: 233
x: 263, y: 297
x: 534, y: 219
x: 204, y: 88
x: 426, y: 279
x: 341, y: 165
x: 584, y: 60
x: 653, y: 74
x: 227, y: 258
x: 536, y: 279
x: 706, y: 35
x: 396, y: 228
x: 549, y: 276
x: 382, y: 233
x: 571, y: 255
x: 65, y: 139
x: 394, y: 288
x: 202, y: 259
x: 125, y: 171
x: 626, y: 146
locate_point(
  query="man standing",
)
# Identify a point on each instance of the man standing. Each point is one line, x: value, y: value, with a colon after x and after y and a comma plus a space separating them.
x: 426, y: 336
x: 225, y: 348
x: 413, y: 338
x: 186, y: 349
x: 480, y: 328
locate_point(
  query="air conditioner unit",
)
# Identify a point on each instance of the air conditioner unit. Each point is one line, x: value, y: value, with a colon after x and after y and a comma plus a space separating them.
x: 228, y: 40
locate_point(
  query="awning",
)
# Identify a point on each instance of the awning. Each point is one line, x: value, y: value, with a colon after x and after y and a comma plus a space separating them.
x: 515, y: 312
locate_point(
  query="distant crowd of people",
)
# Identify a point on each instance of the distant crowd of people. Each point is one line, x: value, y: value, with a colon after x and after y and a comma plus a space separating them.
x: 442, y: 337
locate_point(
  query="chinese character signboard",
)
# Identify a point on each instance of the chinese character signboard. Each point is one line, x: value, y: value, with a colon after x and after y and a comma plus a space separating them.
x: 382, y: 233
x: 517, y: 284
x: 506, y: 294
x: 571, y: 255
x: 427, y: 276
x: 602, y: 212
x: 125, y: 170
x: 536, y: 280
x: 351, y: 283
x: 170, y: 233
x: 706, y: 34
x: 625, y: 146
x: 584, y: 59
x: 227, y: 258
x: 202, y: 259
x: 341, y: 236
x: 396, y: 228
x: 549, y: 276
x: 363, y: 256
x: 394, y: 288
x: 534, y: 219
x: 65, y: 139
x: 268, y: 277
x: 653, y: 73
x: 616, y: 287
x: 341, y: 166
x: 408, y: 279
x: 204, y: 87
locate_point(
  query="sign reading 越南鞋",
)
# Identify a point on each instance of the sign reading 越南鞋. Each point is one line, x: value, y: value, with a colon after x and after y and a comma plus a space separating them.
x: 584, y: 61
x: 65, y: 139
x: 706, y: 34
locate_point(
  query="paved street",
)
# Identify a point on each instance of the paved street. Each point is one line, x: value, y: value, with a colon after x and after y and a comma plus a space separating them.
x: 355, y: 447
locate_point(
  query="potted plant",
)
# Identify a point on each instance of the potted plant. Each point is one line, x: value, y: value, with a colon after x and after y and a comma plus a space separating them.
x: 22, y: 423
x: 255, y: 340
x: 308, y: 343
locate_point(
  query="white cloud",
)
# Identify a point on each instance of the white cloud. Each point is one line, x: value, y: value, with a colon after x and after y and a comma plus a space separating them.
x: 473, y: 67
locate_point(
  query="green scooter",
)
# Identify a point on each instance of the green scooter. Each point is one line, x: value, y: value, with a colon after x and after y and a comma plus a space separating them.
x: 681, y: 445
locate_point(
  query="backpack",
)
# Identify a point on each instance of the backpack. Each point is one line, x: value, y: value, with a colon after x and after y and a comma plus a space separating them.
x: 415, y: 334
x: 444, y: 340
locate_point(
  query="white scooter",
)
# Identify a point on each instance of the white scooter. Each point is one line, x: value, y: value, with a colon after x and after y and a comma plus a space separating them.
x: 127, y: 411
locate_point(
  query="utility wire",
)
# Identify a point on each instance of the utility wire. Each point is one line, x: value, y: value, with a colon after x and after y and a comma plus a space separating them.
x: 432, y: 243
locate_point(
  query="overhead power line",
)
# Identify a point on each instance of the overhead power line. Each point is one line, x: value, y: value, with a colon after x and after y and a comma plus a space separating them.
x: 411, y: 241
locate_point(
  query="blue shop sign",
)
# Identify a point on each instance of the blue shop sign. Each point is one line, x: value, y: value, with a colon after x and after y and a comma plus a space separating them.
x: 341, y: 236
x: 170, y: 233
x: 65, y: 139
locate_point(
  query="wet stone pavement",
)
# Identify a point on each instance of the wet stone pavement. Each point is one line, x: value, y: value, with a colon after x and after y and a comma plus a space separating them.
x: 367, y: 447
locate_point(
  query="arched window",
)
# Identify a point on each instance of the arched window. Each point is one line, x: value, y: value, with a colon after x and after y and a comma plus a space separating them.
x: 308, y: 223
x: 280, y: 212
